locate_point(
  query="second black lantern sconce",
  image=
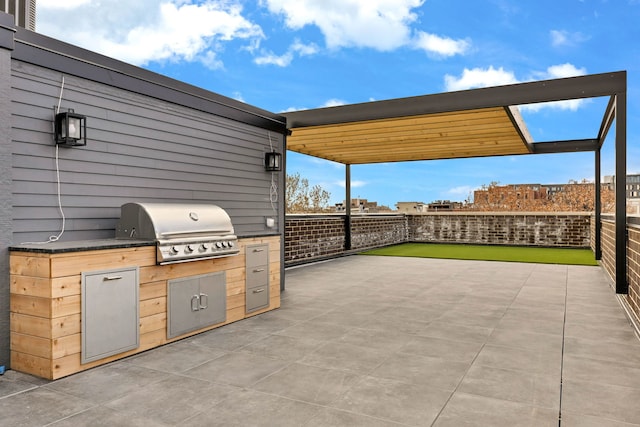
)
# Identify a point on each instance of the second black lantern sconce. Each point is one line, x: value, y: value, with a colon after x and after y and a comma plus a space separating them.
x: 273, y: 161
x: 70, y: 129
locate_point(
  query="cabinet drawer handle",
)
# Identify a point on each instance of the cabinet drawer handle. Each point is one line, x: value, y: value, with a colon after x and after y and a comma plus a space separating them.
x: 258, y: 270
x: 195, y: 303
x: 258, y: 250
x: 204, y: 301
x: 107, y: 278
x: 257, y: 291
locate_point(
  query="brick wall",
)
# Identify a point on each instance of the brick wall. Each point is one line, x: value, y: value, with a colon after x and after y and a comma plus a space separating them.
x: 608, y: 261
x: 560, y: 230
x: 633, y: 269
x: 375, y: 231
x: 608, y: 243
x: 312, y: 237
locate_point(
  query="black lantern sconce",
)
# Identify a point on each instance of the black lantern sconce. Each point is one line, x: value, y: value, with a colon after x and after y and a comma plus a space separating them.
x: 273, y: 161
x: 70, y: 129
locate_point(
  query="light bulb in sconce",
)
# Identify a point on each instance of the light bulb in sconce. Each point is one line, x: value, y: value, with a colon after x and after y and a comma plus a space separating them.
x: 70, y: 128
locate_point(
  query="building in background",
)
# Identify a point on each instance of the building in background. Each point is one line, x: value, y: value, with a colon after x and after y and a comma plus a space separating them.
x: 359, y: 205
x: 444, y: 205
x: 632, y: 190
x: 436, y: 206
x: 24, y: 12
x: 411, y: 207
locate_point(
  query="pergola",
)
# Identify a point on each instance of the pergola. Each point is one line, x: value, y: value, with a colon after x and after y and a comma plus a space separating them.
x: 472, y: 123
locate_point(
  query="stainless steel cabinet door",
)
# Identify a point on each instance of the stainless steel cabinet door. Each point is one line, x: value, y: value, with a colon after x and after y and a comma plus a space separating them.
x: 196, y: 302
x: 110, y: 313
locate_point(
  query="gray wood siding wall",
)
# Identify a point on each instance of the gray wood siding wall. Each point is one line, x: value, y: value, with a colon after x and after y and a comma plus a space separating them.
x: 5, y: 187
x: 138, y: 149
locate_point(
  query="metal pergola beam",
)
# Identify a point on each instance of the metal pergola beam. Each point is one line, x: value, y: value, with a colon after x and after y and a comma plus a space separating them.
x: 580, y: 87
x: 572, y: 146
x: 607, y: 120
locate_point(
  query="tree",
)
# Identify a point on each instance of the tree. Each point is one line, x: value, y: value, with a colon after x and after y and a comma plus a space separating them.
x: 300, y: 198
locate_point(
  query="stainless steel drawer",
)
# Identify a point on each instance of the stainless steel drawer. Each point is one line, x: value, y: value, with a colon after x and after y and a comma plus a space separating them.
x: 257, y: 298
x: 257, y: 255
x: 257, y: 276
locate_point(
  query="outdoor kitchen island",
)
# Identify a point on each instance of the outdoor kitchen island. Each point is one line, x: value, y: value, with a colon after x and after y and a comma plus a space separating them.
x: 47, y: 299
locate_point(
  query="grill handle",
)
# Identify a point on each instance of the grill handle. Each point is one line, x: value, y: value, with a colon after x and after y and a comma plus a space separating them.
x: 194, y: 232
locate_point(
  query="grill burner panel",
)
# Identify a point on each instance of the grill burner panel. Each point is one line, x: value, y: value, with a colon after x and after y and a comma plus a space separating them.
x: 182, y: 232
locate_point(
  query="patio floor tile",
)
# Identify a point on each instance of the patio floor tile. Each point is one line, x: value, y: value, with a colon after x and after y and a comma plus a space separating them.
x: 376, y: 342
x: 515, y: 386
x: 412, y: 404
x: 612, y: 402
x: 465, y: 410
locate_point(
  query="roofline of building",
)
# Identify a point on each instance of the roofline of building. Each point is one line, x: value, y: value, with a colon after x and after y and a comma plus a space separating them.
x: 68, y: 59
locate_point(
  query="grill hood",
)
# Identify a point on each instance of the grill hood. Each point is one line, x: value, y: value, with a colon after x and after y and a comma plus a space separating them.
x: 183, y: 232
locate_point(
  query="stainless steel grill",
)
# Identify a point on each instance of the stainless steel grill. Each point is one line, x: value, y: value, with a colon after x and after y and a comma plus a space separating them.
x: 182, y: 232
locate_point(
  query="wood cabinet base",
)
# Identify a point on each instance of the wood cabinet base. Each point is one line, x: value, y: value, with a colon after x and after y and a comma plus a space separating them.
x: 45, y: 301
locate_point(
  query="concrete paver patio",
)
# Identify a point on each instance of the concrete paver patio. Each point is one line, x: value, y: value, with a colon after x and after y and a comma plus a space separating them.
x: 377, y: 341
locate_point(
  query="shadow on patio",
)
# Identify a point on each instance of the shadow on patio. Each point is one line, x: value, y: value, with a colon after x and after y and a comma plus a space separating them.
x: 378, y: 341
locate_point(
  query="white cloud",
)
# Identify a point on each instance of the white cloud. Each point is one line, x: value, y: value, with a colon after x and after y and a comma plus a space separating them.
x: 565, y: 70
x: 377, y: 24
x: 56, y: 4
x: 304, y: 49
x: 565, y: 38
x: 152, y: 30
x: 238, y: 96
x: 479, y: 77
x: 354, y: 184
x: 284, y: 60
x: 462, y: 190
x: 273, y: 59
x: 441, y: 46
x: 334, y: 102
x: 559, y: 38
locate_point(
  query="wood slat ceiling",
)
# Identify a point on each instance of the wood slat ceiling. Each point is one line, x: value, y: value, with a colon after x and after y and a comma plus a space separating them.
x: 471, y: 133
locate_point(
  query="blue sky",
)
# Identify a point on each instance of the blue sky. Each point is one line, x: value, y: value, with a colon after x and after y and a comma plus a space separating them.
x: 284, y: 55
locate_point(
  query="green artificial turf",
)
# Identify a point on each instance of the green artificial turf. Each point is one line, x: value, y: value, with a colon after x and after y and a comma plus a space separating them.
x: 489, y: 253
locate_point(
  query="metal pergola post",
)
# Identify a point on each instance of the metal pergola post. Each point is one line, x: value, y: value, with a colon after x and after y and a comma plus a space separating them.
x: 622, y: 287
x: 598, y: 207
x: 347, y: 206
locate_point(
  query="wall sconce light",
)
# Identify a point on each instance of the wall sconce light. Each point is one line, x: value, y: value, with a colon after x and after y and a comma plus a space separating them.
x: 70, y: 129
x: 273, y: 161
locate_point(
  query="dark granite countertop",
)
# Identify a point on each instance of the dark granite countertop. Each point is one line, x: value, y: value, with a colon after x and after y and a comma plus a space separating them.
x: 92, y: 245
x: 80, y: 245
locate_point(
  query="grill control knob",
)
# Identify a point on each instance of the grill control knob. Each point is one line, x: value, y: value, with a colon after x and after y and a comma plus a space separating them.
x: 189, y: 249
x: 173, y: 250
x: 230, y: 244
x: 218, y: 245
x: 204, y: 247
